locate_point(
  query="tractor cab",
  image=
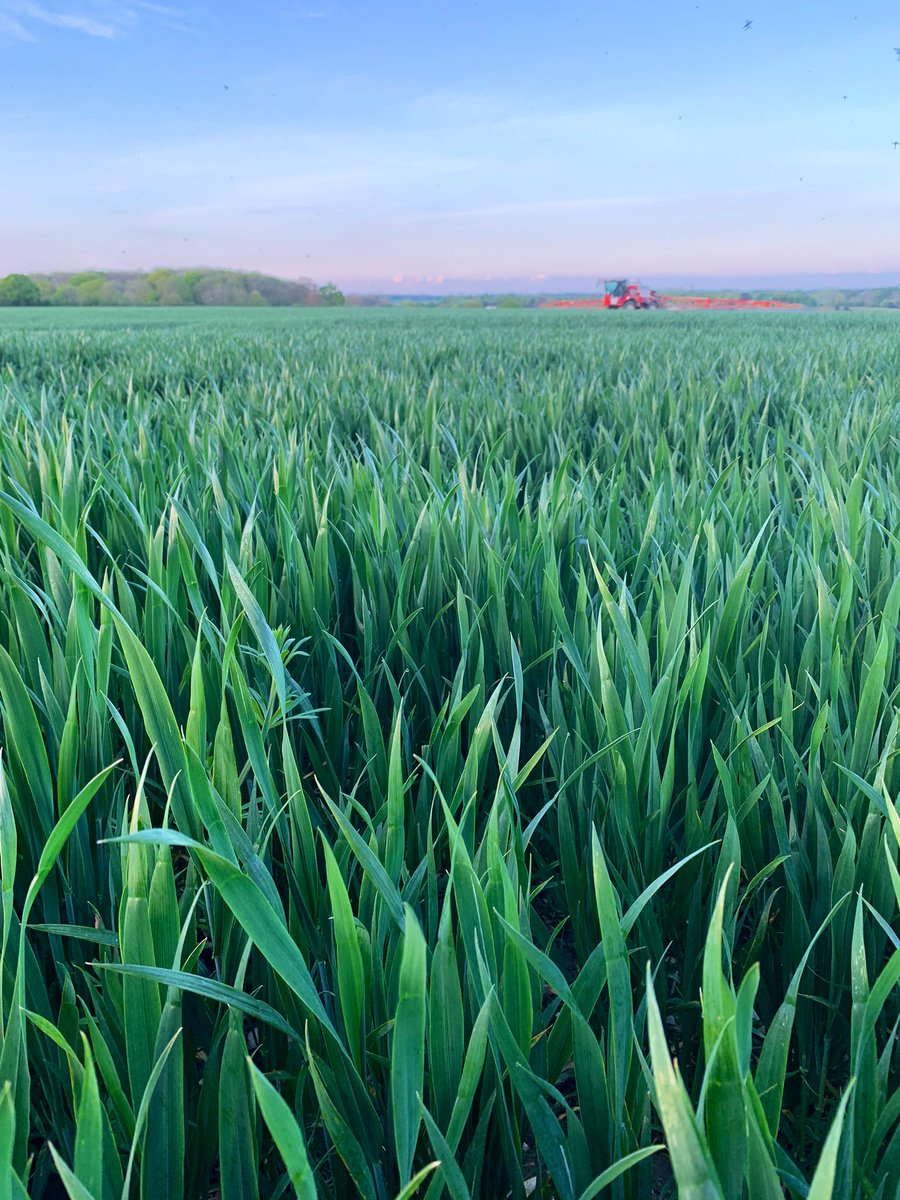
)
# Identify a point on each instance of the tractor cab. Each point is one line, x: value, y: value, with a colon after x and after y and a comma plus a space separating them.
x: 616, y: 293
x: 619, y: 293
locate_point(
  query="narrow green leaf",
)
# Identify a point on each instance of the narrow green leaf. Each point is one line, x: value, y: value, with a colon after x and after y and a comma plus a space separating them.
x: 448, y: 1166
x: 691, y: 1162
x: 822, y: 1185
x: 238, y: 1160
x: 408, y: 1047
x: 611, y: 1174
x: 88, y: 1162
x: 286, y: 1134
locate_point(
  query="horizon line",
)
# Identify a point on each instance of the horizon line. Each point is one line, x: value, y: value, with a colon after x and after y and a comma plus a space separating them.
x: 557, y: 283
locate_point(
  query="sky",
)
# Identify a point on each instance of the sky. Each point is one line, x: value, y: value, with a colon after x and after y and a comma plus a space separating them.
x: 440, y: 145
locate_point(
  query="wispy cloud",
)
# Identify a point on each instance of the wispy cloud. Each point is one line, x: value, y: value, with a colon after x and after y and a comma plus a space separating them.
x: 162, y: 10
x: 107, y: 19
x: 11, y: 28
x: 258, y: 169
x: 587, y: 204
x: 519, y: 208
x: 83, y: 22
x: 303, y: 12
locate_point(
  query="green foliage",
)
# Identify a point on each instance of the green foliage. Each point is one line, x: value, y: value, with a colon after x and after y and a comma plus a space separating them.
x: 331, y: 296
x: 167, y: 288
x: 18, y: 291
x: 448, y: 753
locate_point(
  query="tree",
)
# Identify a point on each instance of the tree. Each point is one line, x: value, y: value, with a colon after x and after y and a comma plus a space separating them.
x: 165, y: 287
x: 188, y: 285
x: 93, y: 293
x: 331, y: 296
x: 19, y: 291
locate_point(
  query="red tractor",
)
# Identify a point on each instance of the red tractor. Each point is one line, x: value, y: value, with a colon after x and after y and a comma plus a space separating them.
x: 619, y: 293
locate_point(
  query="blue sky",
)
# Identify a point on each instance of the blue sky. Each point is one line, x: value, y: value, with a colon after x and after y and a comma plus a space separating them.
x: 420, y: 145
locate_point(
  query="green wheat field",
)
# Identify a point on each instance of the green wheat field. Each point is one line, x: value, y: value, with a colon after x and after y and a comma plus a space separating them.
x: 449, y: 754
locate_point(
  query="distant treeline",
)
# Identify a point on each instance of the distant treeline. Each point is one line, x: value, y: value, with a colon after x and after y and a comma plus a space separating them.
x: 167, y: 288
x: 205, y: 286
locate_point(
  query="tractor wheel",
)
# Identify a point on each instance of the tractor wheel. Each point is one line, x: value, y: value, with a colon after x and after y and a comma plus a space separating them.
x: 654, y: 304
x: 629, y: 304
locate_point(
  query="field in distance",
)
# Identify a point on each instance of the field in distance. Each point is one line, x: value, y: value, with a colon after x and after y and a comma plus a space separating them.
x: 449, y: 754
